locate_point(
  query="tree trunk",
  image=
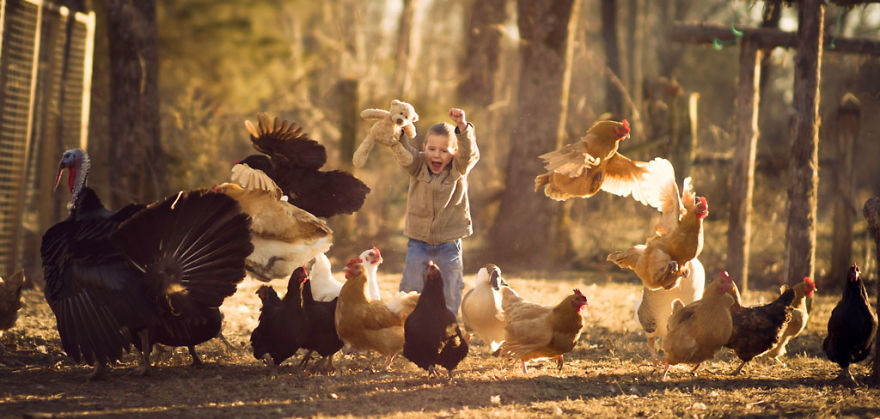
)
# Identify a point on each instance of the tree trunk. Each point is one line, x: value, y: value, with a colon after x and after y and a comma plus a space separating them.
x: 800, y: 232
x: 636, y: 36
x: 405, y: 52
x: 742, y: 174
x: 613, y: 98
x: 136, y: 158
x: 526, y: 227
x: 480, y: 61
x: 848, y: 115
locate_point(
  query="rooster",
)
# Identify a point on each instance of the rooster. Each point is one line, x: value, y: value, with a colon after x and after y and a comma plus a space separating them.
x: 655, y: 306
x: 582, y: 168
x: 293, y: 161
x: 323, y: 285
x: 157, y: 273
x: 431, y: 334
x: 852, y: 326
x: 660, y: 263
x: 799, y: 316
x: 284, y: 236
x: 481, y: 307
x: 698, y: 330
x: 370, y: 325
x: 10, y: 303
x: 756, y: 330
x: 535, y: 331
x: 282, y: 327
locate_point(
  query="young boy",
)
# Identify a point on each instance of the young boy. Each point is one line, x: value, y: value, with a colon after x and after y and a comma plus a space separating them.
x: 438, y: 214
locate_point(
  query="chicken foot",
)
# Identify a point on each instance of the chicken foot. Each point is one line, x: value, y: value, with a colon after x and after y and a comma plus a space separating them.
x: 273, y: 369
x: 559, y: 362
x: 96, y: 373
x: 146, y: 348
x: 195, y: 357
x: 387, y: 366
x: 304, y: 361
x: 525, y: 369
x: 229, y: 347
x: 652, y: 343
x: 738, y: 370
x: 846, y: 377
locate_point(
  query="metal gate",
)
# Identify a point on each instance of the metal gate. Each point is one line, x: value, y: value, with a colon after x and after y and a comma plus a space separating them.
x: 45, y: 80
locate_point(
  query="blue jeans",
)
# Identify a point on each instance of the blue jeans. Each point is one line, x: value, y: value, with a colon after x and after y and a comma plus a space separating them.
x: 447, y: 257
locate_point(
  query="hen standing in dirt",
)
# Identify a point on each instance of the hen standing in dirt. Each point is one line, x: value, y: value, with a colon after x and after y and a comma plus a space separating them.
x: 283, y: 326
x: 431, y: 335
x: 322, y: 337
x: 852, y: 326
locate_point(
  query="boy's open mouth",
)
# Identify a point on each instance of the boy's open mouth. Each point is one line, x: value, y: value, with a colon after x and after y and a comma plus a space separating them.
x: 436, y: 166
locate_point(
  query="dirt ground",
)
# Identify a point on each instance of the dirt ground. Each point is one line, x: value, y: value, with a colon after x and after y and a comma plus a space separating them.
x: 608, y: 374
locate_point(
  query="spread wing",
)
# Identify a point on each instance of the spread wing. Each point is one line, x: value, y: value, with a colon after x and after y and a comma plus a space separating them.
x: 250, y: 178
x: 670, y: 203
x: 625, y: 177
x: 276, y: 219
x: 286, y: 143
x: 570, y: 160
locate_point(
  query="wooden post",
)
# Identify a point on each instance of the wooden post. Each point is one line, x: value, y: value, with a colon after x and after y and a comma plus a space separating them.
x: 872, y: 214
x: 848, y: 118
x: 347, y: 95
x: 742, y: 174
x: 800, y: 232
x: 613, y: 99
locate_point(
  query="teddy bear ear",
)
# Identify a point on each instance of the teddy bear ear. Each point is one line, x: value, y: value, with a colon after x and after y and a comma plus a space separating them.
x: 395, y: 102
x: 415, y: 116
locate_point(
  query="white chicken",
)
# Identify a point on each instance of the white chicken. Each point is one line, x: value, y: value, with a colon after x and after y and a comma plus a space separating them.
x: 481, y: 307
x: 325, y: 287
x: 655, y: 307
x: 371, y: 259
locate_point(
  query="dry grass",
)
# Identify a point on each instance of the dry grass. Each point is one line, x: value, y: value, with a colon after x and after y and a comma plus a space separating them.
x: 607, y: 375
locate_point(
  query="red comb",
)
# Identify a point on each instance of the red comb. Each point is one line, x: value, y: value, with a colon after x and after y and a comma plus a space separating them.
x: 626, y: 125
x: 809, y: 282
x: 376, y: 250
x: 726, y: 275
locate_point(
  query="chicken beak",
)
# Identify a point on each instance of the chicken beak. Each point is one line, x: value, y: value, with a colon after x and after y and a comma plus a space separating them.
x: 58, y: 178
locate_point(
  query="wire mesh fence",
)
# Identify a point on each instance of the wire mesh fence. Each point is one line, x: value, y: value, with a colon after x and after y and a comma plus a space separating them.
x: 45, y: 76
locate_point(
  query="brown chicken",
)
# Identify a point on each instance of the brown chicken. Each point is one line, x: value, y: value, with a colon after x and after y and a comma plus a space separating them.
x: 701, y: 328
x: 10, y: 302
x: 370, y: 325
x: 799, y: 316
x: 756, y: 330
x: 582, y: 168
x: 536, y: 331
x: 661, y: 262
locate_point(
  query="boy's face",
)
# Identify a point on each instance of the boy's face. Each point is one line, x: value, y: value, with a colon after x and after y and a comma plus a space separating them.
x: 439, y: 150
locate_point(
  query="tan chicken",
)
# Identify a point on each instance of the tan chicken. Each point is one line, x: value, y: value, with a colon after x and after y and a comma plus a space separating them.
x: 284, y: 236
x: 661, y: 262
x: 582, y: 168
x: 701, y: 328
x: 481, y: 309
x: 535, y: 331
x: 371, y: 325
x: 799, y: 317
x: 10, y: 303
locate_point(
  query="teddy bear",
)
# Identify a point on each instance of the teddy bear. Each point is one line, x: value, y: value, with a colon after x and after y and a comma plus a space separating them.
x: 391, y: 124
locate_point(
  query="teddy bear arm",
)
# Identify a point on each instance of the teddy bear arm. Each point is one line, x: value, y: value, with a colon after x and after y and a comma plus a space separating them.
x: 410, y: 130
x: 375, y: 114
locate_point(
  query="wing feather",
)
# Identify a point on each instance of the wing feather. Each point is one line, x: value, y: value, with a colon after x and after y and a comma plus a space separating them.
x: 286, y: 143
x: 570, y: 160
x: 625, y: 177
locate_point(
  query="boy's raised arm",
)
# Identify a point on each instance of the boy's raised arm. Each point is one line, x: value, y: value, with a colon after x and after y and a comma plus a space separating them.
x: 468, y: 153
x: 417, y: 158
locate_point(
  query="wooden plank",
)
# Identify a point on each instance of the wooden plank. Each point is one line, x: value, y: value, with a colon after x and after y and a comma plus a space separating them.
x: 800, y: 232
x: 742, y: 174
x: 702, y: 33
x: 848, y: 118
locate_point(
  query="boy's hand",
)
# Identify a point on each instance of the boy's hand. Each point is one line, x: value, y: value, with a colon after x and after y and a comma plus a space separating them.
x: 457, y: 116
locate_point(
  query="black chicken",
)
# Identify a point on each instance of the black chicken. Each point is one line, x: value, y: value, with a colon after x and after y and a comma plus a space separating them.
x: 756, y: 330
x: 322, y: 337
x: 851, y: 327
x: 293, y: 161
x: 431, y: 334
x: 158, y: 272
x: 283, y: 326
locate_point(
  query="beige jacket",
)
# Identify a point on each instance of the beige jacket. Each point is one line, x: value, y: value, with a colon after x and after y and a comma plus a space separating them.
x: 437, y: 208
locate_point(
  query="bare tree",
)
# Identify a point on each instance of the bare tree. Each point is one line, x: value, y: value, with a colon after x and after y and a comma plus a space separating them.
x: 136, y: 158
x: 405, y: 49
x: 613, y: 98
x: 526, y: 229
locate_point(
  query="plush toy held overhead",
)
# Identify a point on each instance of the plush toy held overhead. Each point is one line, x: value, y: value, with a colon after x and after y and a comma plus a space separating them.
x: 391, y: 124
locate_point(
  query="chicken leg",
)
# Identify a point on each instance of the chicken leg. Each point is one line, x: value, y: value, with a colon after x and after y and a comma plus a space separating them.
x: 195, y: 357
x: 738, y: 370
x: 652, y: 346
x: 146, y: 348
x: 559, y: 361
x: 273, y: 369
x: 387, y: 366
x: 97, y: 373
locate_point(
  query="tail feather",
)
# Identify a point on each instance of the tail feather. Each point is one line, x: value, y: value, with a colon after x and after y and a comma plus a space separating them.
x: 541, y: 181
x: 199, y: 243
